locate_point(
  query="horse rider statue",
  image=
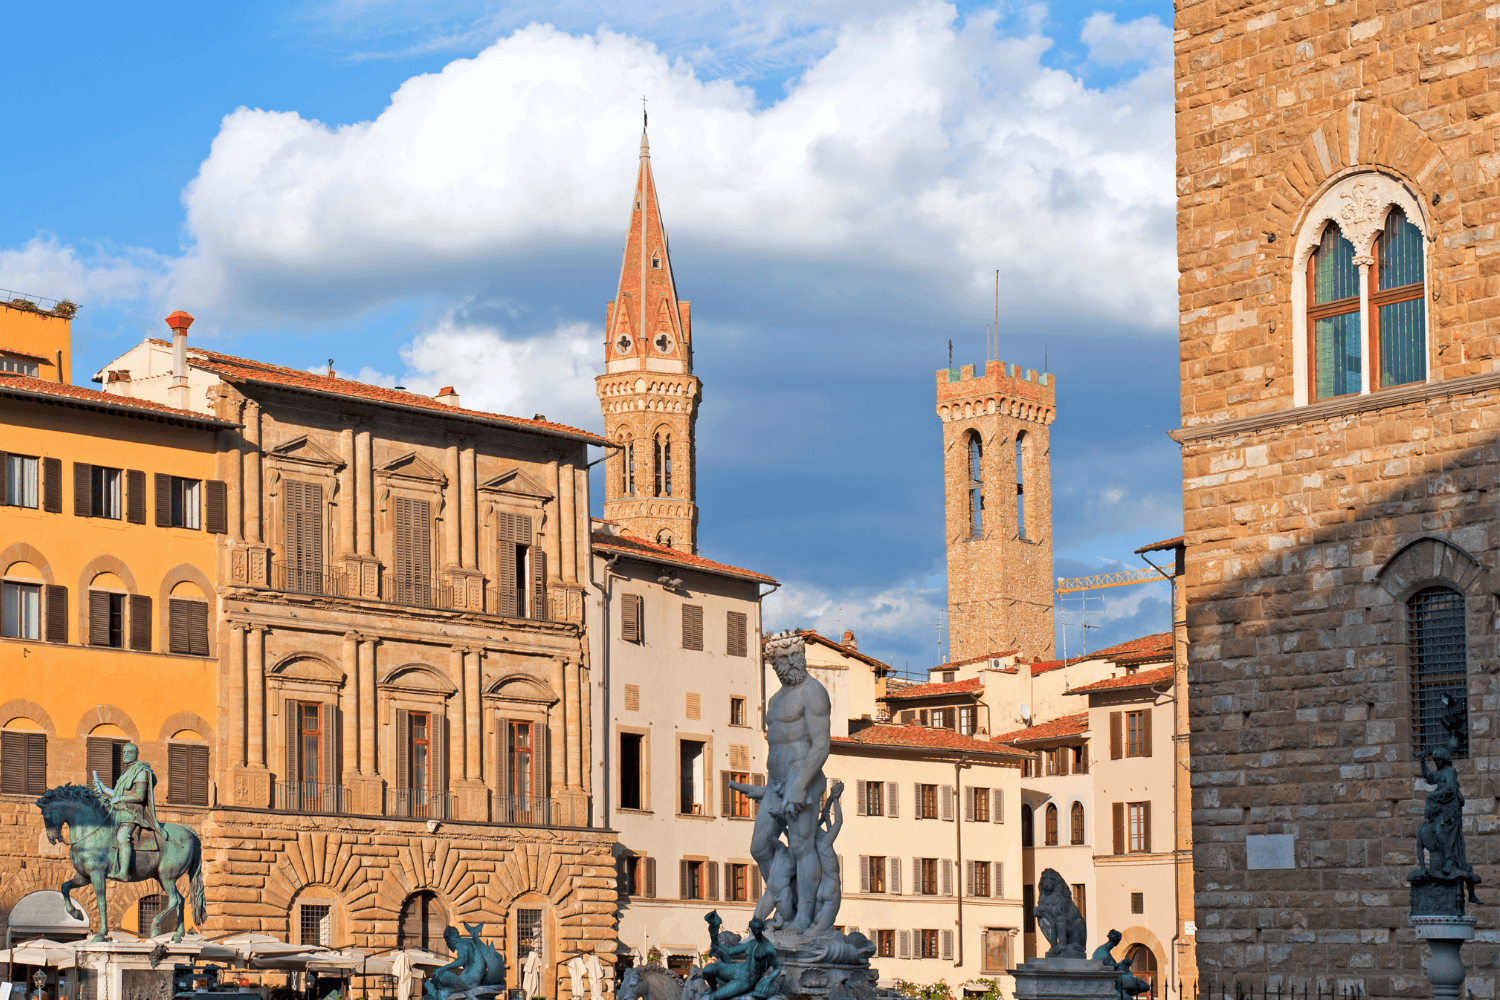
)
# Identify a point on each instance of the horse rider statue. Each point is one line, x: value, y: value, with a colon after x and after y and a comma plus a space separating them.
x: 132, y: 802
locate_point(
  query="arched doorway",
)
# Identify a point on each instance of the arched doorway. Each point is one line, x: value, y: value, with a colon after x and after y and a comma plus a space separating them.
x: 423, y: 920
x: 1143, y: 964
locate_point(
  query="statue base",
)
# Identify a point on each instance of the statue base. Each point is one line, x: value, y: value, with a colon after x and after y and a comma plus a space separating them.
x: 1444, y: 935
x: 1064, y: 979
x: 827, y: 964
x: 1436, y: 896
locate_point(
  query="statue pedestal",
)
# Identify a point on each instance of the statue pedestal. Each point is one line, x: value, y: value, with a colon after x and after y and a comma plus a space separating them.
x: 1064, y: 979
x: 837, y: 981
x: 123, y: 970
x: 1445, y: 935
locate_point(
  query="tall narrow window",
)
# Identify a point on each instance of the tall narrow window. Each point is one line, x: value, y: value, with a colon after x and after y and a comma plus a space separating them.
x: 105, y: 492
x: 1399, y: 305
x: 1077, y: 823
x: 23, y: 611
x: 304, y: 537
x: 1437, y: 654
x: 663, y: 465
x: 1051, y: 840
x: 1333, y: 316
x: 514, y: 561
x: 630, y: 770
x: 1021, y: 484
x: 20, y: 486
x: 1028, y: 834
x: 521, y: 754
x: 627, y: 470
x: 976, y: 487
x: 422, y: 923
x: 528, y: 935
x: 413, y: 544
x: 185, y: 502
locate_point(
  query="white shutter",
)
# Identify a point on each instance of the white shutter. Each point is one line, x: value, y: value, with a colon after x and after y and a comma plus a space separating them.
x: 893, y: 883
x: 997, y: 887
x: 916, y: 800
x: 969, y: 804
x: 859, y: 798
x: 947, y: 877
x: 997, y: 810
x: 903, y: 944
x: 947, y: 946
x: 968, y: 885
x: 891, y: 798
x: 946, y: 793
x: 864, y: 873
x: 918, y: 876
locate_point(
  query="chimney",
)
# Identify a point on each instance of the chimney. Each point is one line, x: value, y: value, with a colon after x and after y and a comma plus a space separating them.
x: 178, y: 396
x: 849, y: 642
x: 118, y: 382
x: 447, y: 395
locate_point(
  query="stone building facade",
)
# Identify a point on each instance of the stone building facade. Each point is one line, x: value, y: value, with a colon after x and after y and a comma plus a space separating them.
x: 997, y: 484
x: 403, y: 715
x: 1338, y: 296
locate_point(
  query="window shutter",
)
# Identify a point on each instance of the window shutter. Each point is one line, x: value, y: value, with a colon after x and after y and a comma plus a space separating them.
x: 947, y: 793
x: 997, y: 888
x: 738, y: 628
x: 197, y: 613
x: 893, y: 868
x: 969, y: 880
x: 725, y: 794
x: 331, y: 742
x: 1145, y: 747
x: 83, y: 489
x: 947, y: 864
x: 52, y: 485
x: 756, y: 779
x: 4, y: 467
x: 860, y: 801
x: 756, y: 888
x: 892, y: 796
x: 57, y: 613
x: 546, y: 750
x: 630, y: 618
x: 864, y: 873
x: 163, y: 500
x: 1119, y: 818
x: 650, y: 865
x: 1146, y: 827
x: 1116, y: 748
x: 177, y: 773
x: 1083, y: 759
x: 969, y: 803
x: 1064, y: 754
x: 692, y: 626
x: 421, y: 548
x: 215, y: 507
x: 98, y: 618
x: 507, y: 754
x: 539, y: 584
x: 140, y: 622
x: 947, y: 946
x: 36, y: 763
x: 997, y: 808
x: 12, y: 762
x: 177, y: 625
x: 197, y: 776
x: 682, y: 880
x: 402, y: 544
x: 439, y: 757
x: 135, y: 496
x: 713, y: 879
x: 403, y: 748
x: 100, y: 754
x: 293, y: 712
x: 916, y: 800
x: 903, y: 944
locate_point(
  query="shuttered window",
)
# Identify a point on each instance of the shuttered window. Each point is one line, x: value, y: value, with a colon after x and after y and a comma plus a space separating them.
x: 215, y: 507
x: 106, y: 619
x: 649, y: 864
x: 187, y: 774
x: 304, y: 537
x: 1138, y: 734
x: 514, y: 531
x: 83, y: 483
x: 18, y: 480
x: 23, y: 762
x: 162, y: 484
x: 1116, y: 735
x: 52, y: 485
x: 692, y: 626
x: 23, y: 610
x: 735, y: 644
x: 413, y: 551
x: 539, y: 584
x: 188, y: 621
x: 1118, y: 810
x: 57, y: 612
x: 103, y: 759
x: 632, y: 697
x: 135, y: 496
x: 140, y: 622
x: 632, y: 612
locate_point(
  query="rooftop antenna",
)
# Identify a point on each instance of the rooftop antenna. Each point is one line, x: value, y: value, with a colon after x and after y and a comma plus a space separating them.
x: 997, y: 315
x: 950, y: 353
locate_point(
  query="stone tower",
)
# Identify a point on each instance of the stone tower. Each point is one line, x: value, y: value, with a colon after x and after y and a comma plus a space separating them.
x: 648, y: 392
x: 997, y: 482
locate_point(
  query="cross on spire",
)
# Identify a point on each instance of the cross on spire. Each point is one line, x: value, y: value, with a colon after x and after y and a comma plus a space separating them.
x: 644, y: 119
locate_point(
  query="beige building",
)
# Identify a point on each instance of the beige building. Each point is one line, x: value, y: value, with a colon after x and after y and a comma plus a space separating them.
x: 403, y: 729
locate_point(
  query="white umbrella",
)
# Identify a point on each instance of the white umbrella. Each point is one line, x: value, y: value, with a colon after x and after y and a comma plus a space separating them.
x: 41, y: 952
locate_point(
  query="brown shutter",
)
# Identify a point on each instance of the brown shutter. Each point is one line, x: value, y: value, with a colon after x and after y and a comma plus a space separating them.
x: 403, y: 748
x: 726, y: 794
x: 756, y: 888
x: 135, y: 496
x: 1119, y: 818
x: 57, y: 613
x: 177, y: 626
x: 1146, y: 827
x: 177, y: 773
x: 682, y: 880
x: 439, y: 756
x: 100, y: 756
x: 83, y: 489
x: 197, y: 628
x: 293, y: 710
x: 630, y: 618
x: 506, y: 581
x: 4, y: 468
x: 215, y: 507
x: 36, y: 763
x: 713, y: 879
x: 1145, y: 747
x: 198, y: 776
x: 421, y: 547
x: 163, y: 500
x: 507, y: 756
x: 650, y: 866
x: 1064, y: 755
x: 692, y: 626
x: 140, y: 622
x: 1083, y: 760
x: 332, y: 739
x: 52, y: 485
x: 1116, y: 744
x: 402, y: 544
x: 98, y: 618
x: 539, y: 588
x: 12, y: 762
x: 735, y: 645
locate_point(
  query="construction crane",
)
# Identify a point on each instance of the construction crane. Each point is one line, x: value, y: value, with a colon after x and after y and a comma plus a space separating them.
x: 1071, y: 585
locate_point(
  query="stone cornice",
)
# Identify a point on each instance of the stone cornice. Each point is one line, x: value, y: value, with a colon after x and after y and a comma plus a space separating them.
x: 1344, y: 406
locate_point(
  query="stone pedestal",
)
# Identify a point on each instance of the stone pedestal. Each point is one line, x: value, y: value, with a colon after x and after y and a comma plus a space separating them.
x: 1445, y: 935
x: 1064, y: 979
x: 836, y: 981
x: 124, y: 970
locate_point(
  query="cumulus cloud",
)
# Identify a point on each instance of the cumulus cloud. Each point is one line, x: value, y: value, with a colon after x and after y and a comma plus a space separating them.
x: 889, y: 617
x: 919, y: 141
x: 1145, y: 39
x: 100, y: 275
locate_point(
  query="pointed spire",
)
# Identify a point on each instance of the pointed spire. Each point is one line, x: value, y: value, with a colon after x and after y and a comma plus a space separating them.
x: 646, y: 319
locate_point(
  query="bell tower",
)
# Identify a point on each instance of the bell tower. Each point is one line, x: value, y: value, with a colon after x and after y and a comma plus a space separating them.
x: 648, y: 392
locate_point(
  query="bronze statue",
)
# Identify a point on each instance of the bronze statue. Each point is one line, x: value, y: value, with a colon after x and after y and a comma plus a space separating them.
x: 1104, y: 953
x: 1441, y: 835
x: 132, y: 802
x: 1129, y: 984
x: 756, y: 974
x: 1058, y: 917
x: 483, y: 970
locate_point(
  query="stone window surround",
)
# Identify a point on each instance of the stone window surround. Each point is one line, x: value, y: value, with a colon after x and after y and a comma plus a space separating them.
x: 1361, y: 222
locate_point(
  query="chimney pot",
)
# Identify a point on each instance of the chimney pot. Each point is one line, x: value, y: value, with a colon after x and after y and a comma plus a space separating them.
x: 447, y: 395
x: 179, y: 320
x: 177, y: 395
x: 849, y: 641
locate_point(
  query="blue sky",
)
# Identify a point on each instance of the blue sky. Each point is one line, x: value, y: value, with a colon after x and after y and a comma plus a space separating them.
x: 437, y: 192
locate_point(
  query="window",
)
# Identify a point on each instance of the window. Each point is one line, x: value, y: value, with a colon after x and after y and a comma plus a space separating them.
x: 514, y: 564
x: 874, y: 798
x: 694, y: 705
x: 1081, y: 898
x: 1143, y: 963
x: 303, y: 517
x: 185, y: 502
x: 1028, y: 835
x: 412, y: 572
x: 520, y: 769
x: 103, y: 759
x: 885, y: 944
x: 630, y: 770
x: 632, y: 697
x: 1398, y: 327
x: 976, y: 488
x: 1138, y: 734
x: 528, y: 935
x: 23, y: 762
x: 23, y: 611
x: 420, y: 773
x: 20, y: 472
x: 1021, y: 449
x: 979, y: 878
x: 877, y: 874
x: 188, y: 626
x: 941, y: 718
x: 187, y: 774
x: 948, y: 676
x: 1030, y: 767
x: 737, y: 882
x: 1437, y: 655
x: 926, y: 873
x: 691, y: 772
x: 106, y: 619
x: 1080, y: 762
x: 104, y: 498
x: 927, y: 802
x: 627, y: 470
x: 1057, y: 760
x: 20, y: 367
x: 1028, y: 909
x: 146, y: 910
x: 315, y: 924
x: 1333, y: 280
x: 1137, y: 902
x: 421, y: 744
x: 996, y: 949
x: 1077, y: 823
x: 1139, y: 818
x: 663, y: 465
x: 422, y: 923
x: 1051, y: 840
x: 632, y: 624
x: 979, y: 805
x: 966, y: 719
x: 691, y: 875
x: 692, y: 626
x: 735, y: 643
x: 929, y: 944
x: 736, y: 711
x: 736, y: 803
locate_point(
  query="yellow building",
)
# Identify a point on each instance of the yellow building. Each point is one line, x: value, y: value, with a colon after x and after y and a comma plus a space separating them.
x: 108, y: 510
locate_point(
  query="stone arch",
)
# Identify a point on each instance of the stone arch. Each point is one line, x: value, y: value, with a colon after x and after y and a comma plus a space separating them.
x: 1430, y: 560
x: 436, y: 865
x: 519, y: 686
x: 108, y: 715
x: 25, y: 709
x: 436, y: 679
x: 91, y: 569
x: 187, y: 720
x: 1142, y: 935
x: 186, y: 572
x: 24, y: 552
x: 534, y: 867
x: 320, y: 667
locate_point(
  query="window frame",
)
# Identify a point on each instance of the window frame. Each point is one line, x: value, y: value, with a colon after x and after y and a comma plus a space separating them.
x: 187, y: 503
x: 35, y: 623
x: 25, y: 487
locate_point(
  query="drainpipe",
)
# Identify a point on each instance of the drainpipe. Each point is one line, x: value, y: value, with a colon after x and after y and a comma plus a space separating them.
x: 760, y: 621
x: 179, y: 321
x: 958, y: 849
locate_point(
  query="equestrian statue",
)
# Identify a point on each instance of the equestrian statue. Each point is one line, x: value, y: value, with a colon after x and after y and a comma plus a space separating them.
x: 114, y: 836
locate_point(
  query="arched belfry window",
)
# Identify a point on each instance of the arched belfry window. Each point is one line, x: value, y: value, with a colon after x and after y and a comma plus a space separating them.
x: 1437, y: 661
x: 1359, y: 299
x: 627, y: 469
x: 976, y: 487
x: 1021, y: 449
x: 663, y: 464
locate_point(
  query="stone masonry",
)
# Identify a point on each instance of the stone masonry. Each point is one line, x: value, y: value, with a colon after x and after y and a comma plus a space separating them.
x: 1309, y: 525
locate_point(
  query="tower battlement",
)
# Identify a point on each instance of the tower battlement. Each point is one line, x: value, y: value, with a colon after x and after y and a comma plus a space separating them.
x: 996, y: 387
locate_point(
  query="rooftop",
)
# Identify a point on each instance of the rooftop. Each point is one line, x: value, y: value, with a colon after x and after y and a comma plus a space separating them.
x: 25, y: 387
x: 1161, y: 546
x: 809, y: 635
x: 1055, y: 729
x: 1147, y: 649
x: 639, y: 548
x: 922, y: 738
x: 1139, y: 679
x: 935, y: 690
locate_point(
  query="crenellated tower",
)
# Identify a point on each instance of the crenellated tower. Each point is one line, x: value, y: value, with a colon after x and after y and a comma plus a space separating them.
x: 648, y: 392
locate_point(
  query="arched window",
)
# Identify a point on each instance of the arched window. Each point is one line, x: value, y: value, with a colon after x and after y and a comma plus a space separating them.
x: 146, y: 909
x: 976, y: 487
x: 1021, y: 449
x: 423, y: 921
x: 663, y: 465
x: 1143, y: 965
x: 664, y: 537
x: 1398, y: 322
x: 1437, y: 656
x: 1333, y: 316
x: 1077, y: 823
x: 1028, y: 834
x: 627, y: 469
x: 1051, y: 825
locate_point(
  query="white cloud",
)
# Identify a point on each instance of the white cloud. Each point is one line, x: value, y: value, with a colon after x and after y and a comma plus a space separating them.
x: 919, y: 141
x: 1111, y: 44
x: 99, y: 276
x: 908, y: 610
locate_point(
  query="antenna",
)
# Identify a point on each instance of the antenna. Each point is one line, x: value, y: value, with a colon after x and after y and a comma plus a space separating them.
x: 997, y: 315
x: 950, y: 353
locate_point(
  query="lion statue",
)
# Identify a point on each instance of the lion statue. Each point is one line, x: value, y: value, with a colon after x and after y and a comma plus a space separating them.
x: 1059, y: 917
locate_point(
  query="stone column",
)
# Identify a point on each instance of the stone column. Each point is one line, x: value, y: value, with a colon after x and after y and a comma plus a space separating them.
x: 347, y: 502
x: 367, y: 718
x: 255, y: 695
x: 366, y: 790
x: 453, y: 515
x: 349, y: 704
x: 238, y: 707
x: 458, y: 744
x: 251, y: 435
x: 1367, y: 364
x: 469, y: 504
x: 573, y: 742
x: 229, y: 447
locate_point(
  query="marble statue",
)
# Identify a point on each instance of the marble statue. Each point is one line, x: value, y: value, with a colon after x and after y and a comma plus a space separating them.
x: 1058, y: 917
x: 1104, y: 953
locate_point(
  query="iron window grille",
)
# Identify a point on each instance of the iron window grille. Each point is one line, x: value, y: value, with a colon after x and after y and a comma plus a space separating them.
x: 1438, y: 653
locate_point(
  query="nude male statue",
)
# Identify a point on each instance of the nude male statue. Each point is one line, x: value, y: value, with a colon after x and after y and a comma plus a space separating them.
x: 797, y: 737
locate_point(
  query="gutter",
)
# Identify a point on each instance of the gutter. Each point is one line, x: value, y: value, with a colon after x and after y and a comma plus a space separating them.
x: 170, y: 416
x: 760, y: 621
x: 958, y: 850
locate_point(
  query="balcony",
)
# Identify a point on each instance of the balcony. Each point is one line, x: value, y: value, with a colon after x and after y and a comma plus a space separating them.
x: 419, y: 803
x: 527, y: 810
x: 395, y: 589
x: 311, y: 797
x: 297, y: 580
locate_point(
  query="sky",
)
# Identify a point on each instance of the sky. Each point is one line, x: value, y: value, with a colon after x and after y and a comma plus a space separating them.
x: 437, y: 192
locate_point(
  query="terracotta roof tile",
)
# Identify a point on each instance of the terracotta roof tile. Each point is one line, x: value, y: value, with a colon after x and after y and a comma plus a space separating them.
x: 1139, y: 679
x: 1055, y: 729
x: 1146, y: 649
x: 809, y: 634
x: 235, y: 369
x: 935, y: 690
x: 975, y: 659
x: 923, y: 738
x: 640, y: 548
x: 1168, y: 543
x: 25, y: 385
x: 24, y: 354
